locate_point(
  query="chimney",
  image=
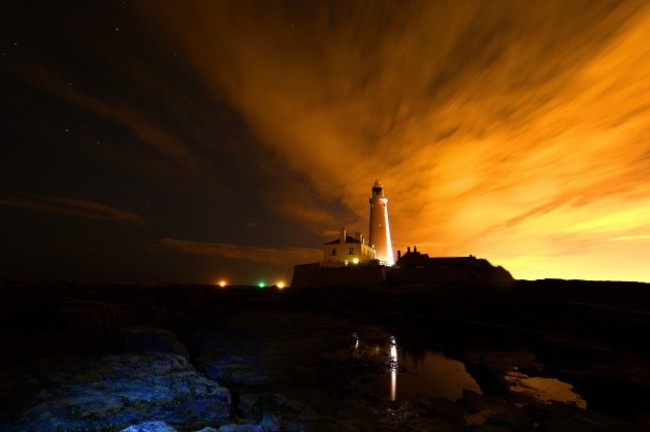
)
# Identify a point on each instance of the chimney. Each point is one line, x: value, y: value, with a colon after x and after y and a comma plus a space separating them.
x: 343, y: 235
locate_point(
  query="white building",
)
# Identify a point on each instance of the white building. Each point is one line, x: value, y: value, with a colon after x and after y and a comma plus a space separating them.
x: 347, y: 249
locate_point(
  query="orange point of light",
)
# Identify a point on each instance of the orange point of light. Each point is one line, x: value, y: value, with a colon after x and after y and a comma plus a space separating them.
x: 222, y: 283
x: 280, y: 285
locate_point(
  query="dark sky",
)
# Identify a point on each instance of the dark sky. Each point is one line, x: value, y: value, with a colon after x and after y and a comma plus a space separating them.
x: 199, y: 140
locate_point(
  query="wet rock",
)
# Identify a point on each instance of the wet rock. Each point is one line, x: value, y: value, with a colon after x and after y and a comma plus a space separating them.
x: 512, y: 419
x: 251, y: 428
x: 475, y: 402
x: 495, y: 412
x: 156, y: 426
x: 422, y: 414
x: 120, y: 390
x: 308, y: 356
x: 558, y: 417
x: 261, y: 350
x: 20, y: 389
x: 237, y: 370
x: 133, y: 340
x: 236, y: 357
x: 502, y: 361
x: 274, y: 411
x: 491, y: 428
x: 276, y: 422
x: 247, y: 427
x: 437, y: 407
x: 271, y: 422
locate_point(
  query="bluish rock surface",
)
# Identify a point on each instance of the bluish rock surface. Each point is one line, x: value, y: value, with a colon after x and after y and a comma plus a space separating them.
x: 117, y: 391
x: 156, y: 426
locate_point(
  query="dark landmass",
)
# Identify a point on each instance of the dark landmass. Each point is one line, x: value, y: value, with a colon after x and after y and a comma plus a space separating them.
x: 186, y: 357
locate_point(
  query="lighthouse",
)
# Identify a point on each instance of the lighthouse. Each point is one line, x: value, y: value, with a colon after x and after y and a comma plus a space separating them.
x: 379, y: 229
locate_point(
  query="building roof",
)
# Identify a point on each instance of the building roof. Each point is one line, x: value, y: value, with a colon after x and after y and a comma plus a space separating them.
x: 348, y: 239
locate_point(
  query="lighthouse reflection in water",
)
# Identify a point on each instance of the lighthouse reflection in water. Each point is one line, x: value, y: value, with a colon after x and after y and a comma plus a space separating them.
x: 393, y: 368
x: 430, y: 373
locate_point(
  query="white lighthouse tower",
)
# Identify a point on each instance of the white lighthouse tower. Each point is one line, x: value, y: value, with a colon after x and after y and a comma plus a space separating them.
x: 379, y: 229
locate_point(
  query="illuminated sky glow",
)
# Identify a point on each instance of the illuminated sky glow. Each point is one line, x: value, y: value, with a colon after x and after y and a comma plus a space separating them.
x: 219, y: 139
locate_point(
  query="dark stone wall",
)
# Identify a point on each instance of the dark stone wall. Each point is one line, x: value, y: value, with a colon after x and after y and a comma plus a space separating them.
x: 353, y: 275
x: 448, y: 271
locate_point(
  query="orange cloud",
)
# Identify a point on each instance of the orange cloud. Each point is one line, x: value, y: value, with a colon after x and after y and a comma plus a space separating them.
x: 516, y: 131
x: 258, y: 254
x: 73, y: 207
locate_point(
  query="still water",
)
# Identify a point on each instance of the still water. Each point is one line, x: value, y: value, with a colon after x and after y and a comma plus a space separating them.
x: 544, y: 389
x: 430, y: 373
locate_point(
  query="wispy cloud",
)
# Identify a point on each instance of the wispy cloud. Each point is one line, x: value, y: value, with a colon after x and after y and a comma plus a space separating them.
x: 632, y: 237
x: 73, y: 207
x: 516, y: 130
x: 258, y: 254
x: 160, y: 139
x: 507, y: 127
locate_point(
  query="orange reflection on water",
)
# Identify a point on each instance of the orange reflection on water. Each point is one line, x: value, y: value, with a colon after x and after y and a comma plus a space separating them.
x: 406, y: 375
x: 432, y: 374
x: 545, y: 389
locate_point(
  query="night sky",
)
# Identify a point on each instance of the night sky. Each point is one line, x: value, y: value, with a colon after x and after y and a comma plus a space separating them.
x: 190, y: 141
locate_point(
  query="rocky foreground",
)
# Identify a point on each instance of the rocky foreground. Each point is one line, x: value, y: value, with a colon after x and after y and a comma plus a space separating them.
x: 200, y: 358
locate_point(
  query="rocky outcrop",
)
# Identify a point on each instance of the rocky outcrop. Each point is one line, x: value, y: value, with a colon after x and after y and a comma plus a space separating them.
x: 415, y: 267
x: 260, y: 348
x: 155, y: 426
x: 290, y: 360
x: 114, y: 392
x: 140, y: 339
x: 411, y: 268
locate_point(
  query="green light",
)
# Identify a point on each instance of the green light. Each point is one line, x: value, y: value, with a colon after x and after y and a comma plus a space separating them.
x: 261, y: 284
